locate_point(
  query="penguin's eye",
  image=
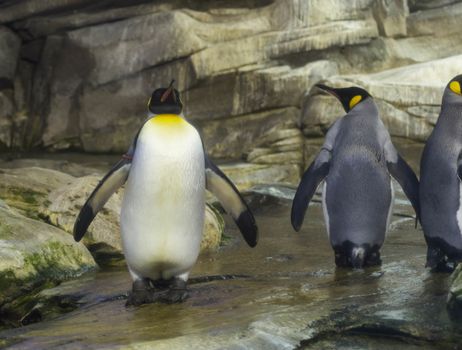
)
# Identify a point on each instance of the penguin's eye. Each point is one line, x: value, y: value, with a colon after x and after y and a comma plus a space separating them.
x: 354, y: 101
x: 455, y: 87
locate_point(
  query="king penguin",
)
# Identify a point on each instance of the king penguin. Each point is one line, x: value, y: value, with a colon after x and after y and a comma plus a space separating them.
x: 355, y: 163
x: 162, y: 217
x: 440, y: 187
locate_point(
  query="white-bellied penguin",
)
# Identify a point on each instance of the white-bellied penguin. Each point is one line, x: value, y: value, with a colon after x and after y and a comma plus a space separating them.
x: 355, y: 162
x: 440, y: 183
x: 162, y: 214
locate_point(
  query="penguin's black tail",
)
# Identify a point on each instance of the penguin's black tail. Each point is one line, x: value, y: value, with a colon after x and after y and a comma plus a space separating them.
x: 358, y: 257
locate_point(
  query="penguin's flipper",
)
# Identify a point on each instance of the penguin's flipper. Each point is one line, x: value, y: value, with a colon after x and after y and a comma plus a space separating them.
x: 310, y: 181
x: 459, y: 166
x: 402, y: 172
x: 115, y: 178
x: 232, y: 201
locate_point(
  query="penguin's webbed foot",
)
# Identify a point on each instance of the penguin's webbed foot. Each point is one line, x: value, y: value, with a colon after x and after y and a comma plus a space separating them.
x: 444, y: 266
x: 341, y: 260
x: 373, y: 259
x: 142, y: 293
x: 437, y: 260
x: 176, y: 293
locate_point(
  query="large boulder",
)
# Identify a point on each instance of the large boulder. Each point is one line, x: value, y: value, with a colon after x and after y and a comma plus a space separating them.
x: 33, y: 252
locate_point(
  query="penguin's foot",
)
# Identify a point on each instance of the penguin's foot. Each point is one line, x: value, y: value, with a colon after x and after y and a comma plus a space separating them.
x: 444, y: 266
x: 177, y: 292
x: 373, y: 259
x: 437, y: 261
x: 142, y: 293
x: 341, y: 260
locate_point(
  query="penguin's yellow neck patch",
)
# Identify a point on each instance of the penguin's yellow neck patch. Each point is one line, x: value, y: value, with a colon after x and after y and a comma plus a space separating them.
x: 354, y: 101
x: 167, y: 119
x: 455, y: 87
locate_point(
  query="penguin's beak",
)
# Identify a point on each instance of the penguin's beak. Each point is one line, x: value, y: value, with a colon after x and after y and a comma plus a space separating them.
x: 328, y: 89
x: 167, y: 92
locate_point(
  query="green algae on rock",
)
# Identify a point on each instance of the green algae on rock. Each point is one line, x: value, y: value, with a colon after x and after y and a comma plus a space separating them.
x: 33, y: 253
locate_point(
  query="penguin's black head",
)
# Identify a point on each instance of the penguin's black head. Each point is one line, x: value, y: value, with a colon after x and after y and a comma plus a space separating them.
x: 455, y: 84
x: 349, y: 97
x: 165, y: 101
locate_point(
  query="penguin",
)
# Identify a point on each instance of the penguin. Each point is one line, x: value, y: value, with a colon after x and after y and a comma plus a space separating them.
x: 166, y: 172
x: 440, y: 186
x: 355, y: 163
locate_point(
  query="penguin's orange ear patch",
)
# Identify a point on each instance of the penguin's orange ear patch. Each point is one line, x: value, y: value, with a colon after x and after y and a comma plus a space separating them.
x: 355, y: 100
x: 455, y: 87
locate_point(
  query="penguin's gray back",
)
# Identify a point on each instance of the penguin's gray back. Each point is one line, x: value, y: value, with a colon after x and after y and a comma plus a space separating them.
x: 358, y: 191
x: 440, y: 190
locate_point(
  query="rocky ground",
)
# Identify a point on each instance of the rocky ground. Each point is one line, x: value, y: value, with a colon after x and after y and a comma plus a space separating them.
x: 285, y: 293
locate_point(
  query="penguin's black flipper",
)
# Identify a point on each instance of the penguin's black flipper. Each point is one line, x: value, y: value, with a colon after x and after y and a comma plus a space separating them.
x: 459, y: 166
x: 232, y: 201
x: 406, y: 177
x: 115, y: 178
x: 311, y: 179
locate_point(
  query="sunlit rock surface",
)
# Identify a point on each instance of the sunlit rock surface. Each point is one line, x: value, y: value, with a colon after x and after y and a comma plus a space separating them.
x: 85, y: 69
x: 408, y: 98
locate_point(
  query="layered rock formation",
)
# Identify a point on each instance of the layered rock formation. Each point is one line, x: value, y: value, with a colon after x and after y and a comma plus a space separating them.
x: 77, y: 74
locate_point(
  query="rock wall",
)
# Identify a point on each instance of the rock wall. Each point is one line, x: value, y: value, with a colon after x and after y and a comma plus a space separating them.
x: 76, y: 74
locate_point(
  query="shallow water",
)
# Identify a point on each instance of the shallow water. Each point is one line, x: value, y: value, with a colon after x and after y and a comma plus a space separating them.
x: 285, y: 293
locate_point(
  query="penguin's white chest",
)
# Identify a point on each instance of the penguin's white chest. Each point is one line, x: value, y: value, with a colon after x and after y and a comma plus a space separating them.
x: 459, y: 211
x: 162, y: 215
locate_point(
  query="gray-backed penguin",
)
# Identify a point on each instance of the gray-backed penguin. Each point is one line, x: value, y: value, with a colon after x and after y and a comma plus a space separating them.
x: 355, y: 162
x: 162, y: 214
x: 440, y: 183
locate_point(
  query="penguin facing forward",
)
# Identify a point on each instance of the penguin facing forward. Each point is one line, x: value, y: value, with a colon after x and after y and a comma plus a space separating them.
x: 162, y: 214
x: 440, y: 183
x: 355, y: 163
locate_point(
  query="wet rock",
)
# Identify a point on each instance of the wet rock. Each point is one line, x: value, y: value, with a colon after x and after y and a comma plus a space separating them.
x: 246, y: 175
x: 269, y: 195
x: 286, y: 293
x: 34, y: 253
